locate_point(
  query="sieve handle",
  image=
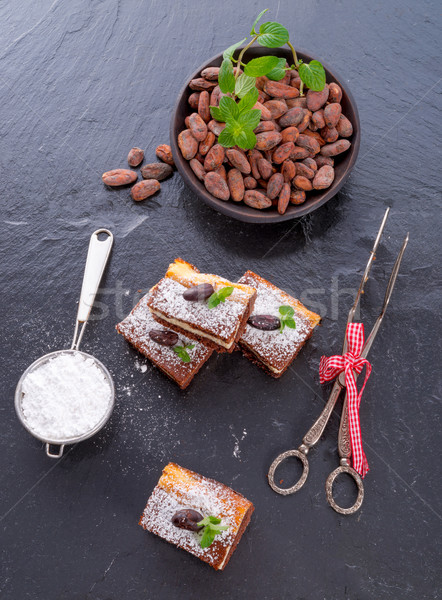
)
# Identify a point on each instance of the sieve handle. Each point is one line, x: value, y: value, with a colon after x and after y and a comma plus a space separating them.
x: 97, y: 256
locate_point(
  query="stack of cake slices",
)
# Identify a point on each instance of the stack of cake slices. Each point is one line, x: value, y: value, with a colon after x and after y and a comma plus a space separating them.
x: 188, y: 315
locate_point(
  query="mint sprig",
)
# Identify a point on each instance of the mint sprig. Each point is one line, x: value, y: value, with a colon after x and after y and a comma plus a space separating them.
x: 182, y: 352
x: 212, y: 528
x: 286, y: 318
x: 219, y: 296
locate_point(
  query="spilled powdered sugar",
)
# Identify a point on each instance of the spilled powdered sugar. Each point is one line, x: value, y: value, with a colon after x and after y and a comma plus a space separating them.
x: 222, y: 321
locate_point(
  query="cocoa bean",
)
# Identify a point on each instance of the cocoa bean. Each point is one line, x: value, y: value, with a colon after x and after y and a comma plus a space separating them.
x: 210, y: 73
x: 264, y: 322
x: 344, y: 127
x: 284, y: 198
x: 135, y: 157
x: 197, y: 127
x: 235, y: 182
x: 310, y: 163
x: 318, y: 119
x: 222, y: 171
x: 165, y: 337
x: 201, y: 84
x: 254, y: 156
x: 335, y: 148
x: 264, y: 168
x: 335, y: 93
x: 198, y: 292
x: 280, y: 90
x: 323, y: 160
x: 283, y: 152
x: 297, y: 197
x: 197, y: 168
x: 216, y: 186
x: 296, y: 82
x: 118, y: 177
x: 215, y: 96
x: 274, y: 185
x: 324, y: 178
x: 316, y: 100
x: 144, y: 189
x: 194, y: 99
x: 261, y: 81
x: 302, y: 183
x: 332, y: 112
x: 290, y: 134
x: 267, y: 140
x: 301, y: 102
x: 288, y: 170
x: 266, y: 115
x: 207, y: 143
x: 263, y: 183
x: 309, y: 143
x: 257, y: 199
x: 315, y: 135
x: 302, y: 126
x: 250, y: 183
x: 158, y: 171
x: 214, y: 158
x: 276, y: 107
x: 187, y: 144
x: 215, y: 127
x: 299, y: 153
x: 164, y: 153
x: 265, y: 126
x: 329, y: 134
x: 263, y: 97
x: 238, y: 160
x: 302, y: 169
x: 292, y: 117
x: 204, y: 106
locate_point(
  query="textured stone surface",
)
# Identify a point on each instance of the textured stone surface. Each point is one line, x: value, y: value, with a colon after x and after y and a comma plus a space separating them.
x: 80, y: 84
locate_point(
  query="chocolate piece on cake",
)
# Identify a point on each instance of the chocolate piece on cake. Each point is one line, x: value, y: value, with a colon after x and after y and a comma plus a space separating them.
x: 271, y: 350
x: 219, y: 327
x: 138, y: 326
x: 179, y: 489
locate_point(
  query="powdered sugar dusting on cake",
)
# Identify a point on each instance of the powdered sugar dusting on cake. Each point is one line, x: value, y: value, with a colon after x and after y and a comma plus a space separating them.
x: 222, y: 321
x: 275, y: 348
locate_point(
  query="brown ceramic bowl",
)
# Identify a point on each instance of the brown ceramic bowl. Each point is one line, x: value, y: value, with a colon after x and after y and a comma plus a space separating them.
x: 238, y: 210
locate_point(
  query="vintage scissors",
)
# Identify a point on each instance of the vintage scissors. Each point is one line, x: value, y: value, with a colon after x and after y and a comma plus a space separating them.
x: 313, y: 435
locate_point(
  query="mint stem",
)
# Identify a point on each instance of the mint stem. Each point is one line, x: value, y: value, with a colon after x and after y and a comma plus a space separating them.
x: 295, y: 57
x: 242, y: 54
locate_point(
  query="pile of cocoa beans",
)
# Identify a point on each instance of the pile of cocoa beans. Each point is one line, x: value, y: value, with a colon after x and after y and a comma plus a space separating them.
x: 152, y: 173
x: 296, y: 142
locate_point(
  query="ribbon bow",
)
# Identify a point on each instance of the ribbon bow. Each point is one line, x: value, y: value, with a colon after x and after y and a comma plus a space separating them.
x: 351, y: 363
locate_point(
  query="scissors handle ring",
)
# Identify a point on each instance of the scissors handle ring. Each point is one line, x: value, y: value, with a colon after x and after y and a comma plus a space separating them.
x: 329, y: 490
x: 275, y: 464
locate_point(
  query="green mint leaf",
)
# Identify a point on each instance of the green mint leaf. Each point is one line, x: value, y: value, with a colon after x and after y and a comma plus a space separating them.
x: 226, y: 138
x: 279, y: 71
x: 226, y: 78
x: 252, y: 31
x: 231, y: 49
x: 250, y: 118
x: 205, y: 521
x: 249, y: 100
x: 272, y: 35
x: 224, y: 293
x: 207, y: 538
x: 286, y: 311
x: 216, y: 113
x: 228, y: 109
x: 213, y: 299
x: 260, y: 66
x: 281, y: 329
x: 246, y: 139
x: 244, y: 84
x: 290, y: 323
x: 313, y: 75
x: 214, y: 520
x: 182, y: 352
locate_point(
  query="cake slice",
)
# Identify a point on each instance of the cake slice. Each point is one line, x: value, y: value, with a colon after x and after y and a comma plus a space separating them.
x: 273, y: 350
x: 220, y: 326
x: 181, y: 491
x: 144, y: 333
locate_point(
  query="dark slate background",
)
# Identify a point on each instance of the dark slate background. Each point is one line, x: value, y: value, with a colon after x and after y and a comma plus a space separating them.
x: 82, y: 82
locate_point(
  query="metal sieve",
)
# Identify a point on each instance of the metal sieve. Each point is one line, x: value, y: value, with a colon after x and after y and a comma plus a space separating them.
x: 98, y: 254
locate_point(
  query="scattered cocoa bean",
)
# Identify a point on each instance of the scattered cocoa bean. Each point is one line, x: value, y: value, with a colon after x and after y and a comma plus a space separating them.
x: 197, y: 168
x: 280, y: 90
x: 310, y: 163
x: 264, y: 168
x: 144, y: 189
x: 214, y: 158
x: 288, y: 170
x: 158, y: 171
x: 309, y: 143
x: 267, y: 140
x: 299, y: 153
x: 302, y: 183
x: 292, y: 117
x: 250, y: 183
x: 235, y: 182
x: 238, y: 160
x: 344, y: 127
x: 165, y: 337
x: 274, y: 185
x: 290, y: 134
x: 216, y: 186
x: 276, y: 107
x: 335, y: 148
x: 324, y: 178
x: 207, y: 143
x: 264, y: 322
x: 198, y: 292
x: 302, y: 169
x: 283, y: 152
x: 284, y: 198
x: 187, y: 518
x: 210, y: 73
x: 257, y: 199
x: 164, y: 153
x: 301, y: 102
x: 335, y: 93
x: 187, y: 144
x: 135, y: 157
x: 329, y: 134
x: 201, y: 84
x: 118, y: 177
x: 297, y: 197
x: 316, y: 100
x: 332, y: 112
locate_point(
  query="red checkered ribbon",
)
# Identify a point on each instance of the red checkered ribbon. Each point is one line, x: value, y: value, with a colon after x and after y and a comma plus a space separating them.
x: 350, y: 362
